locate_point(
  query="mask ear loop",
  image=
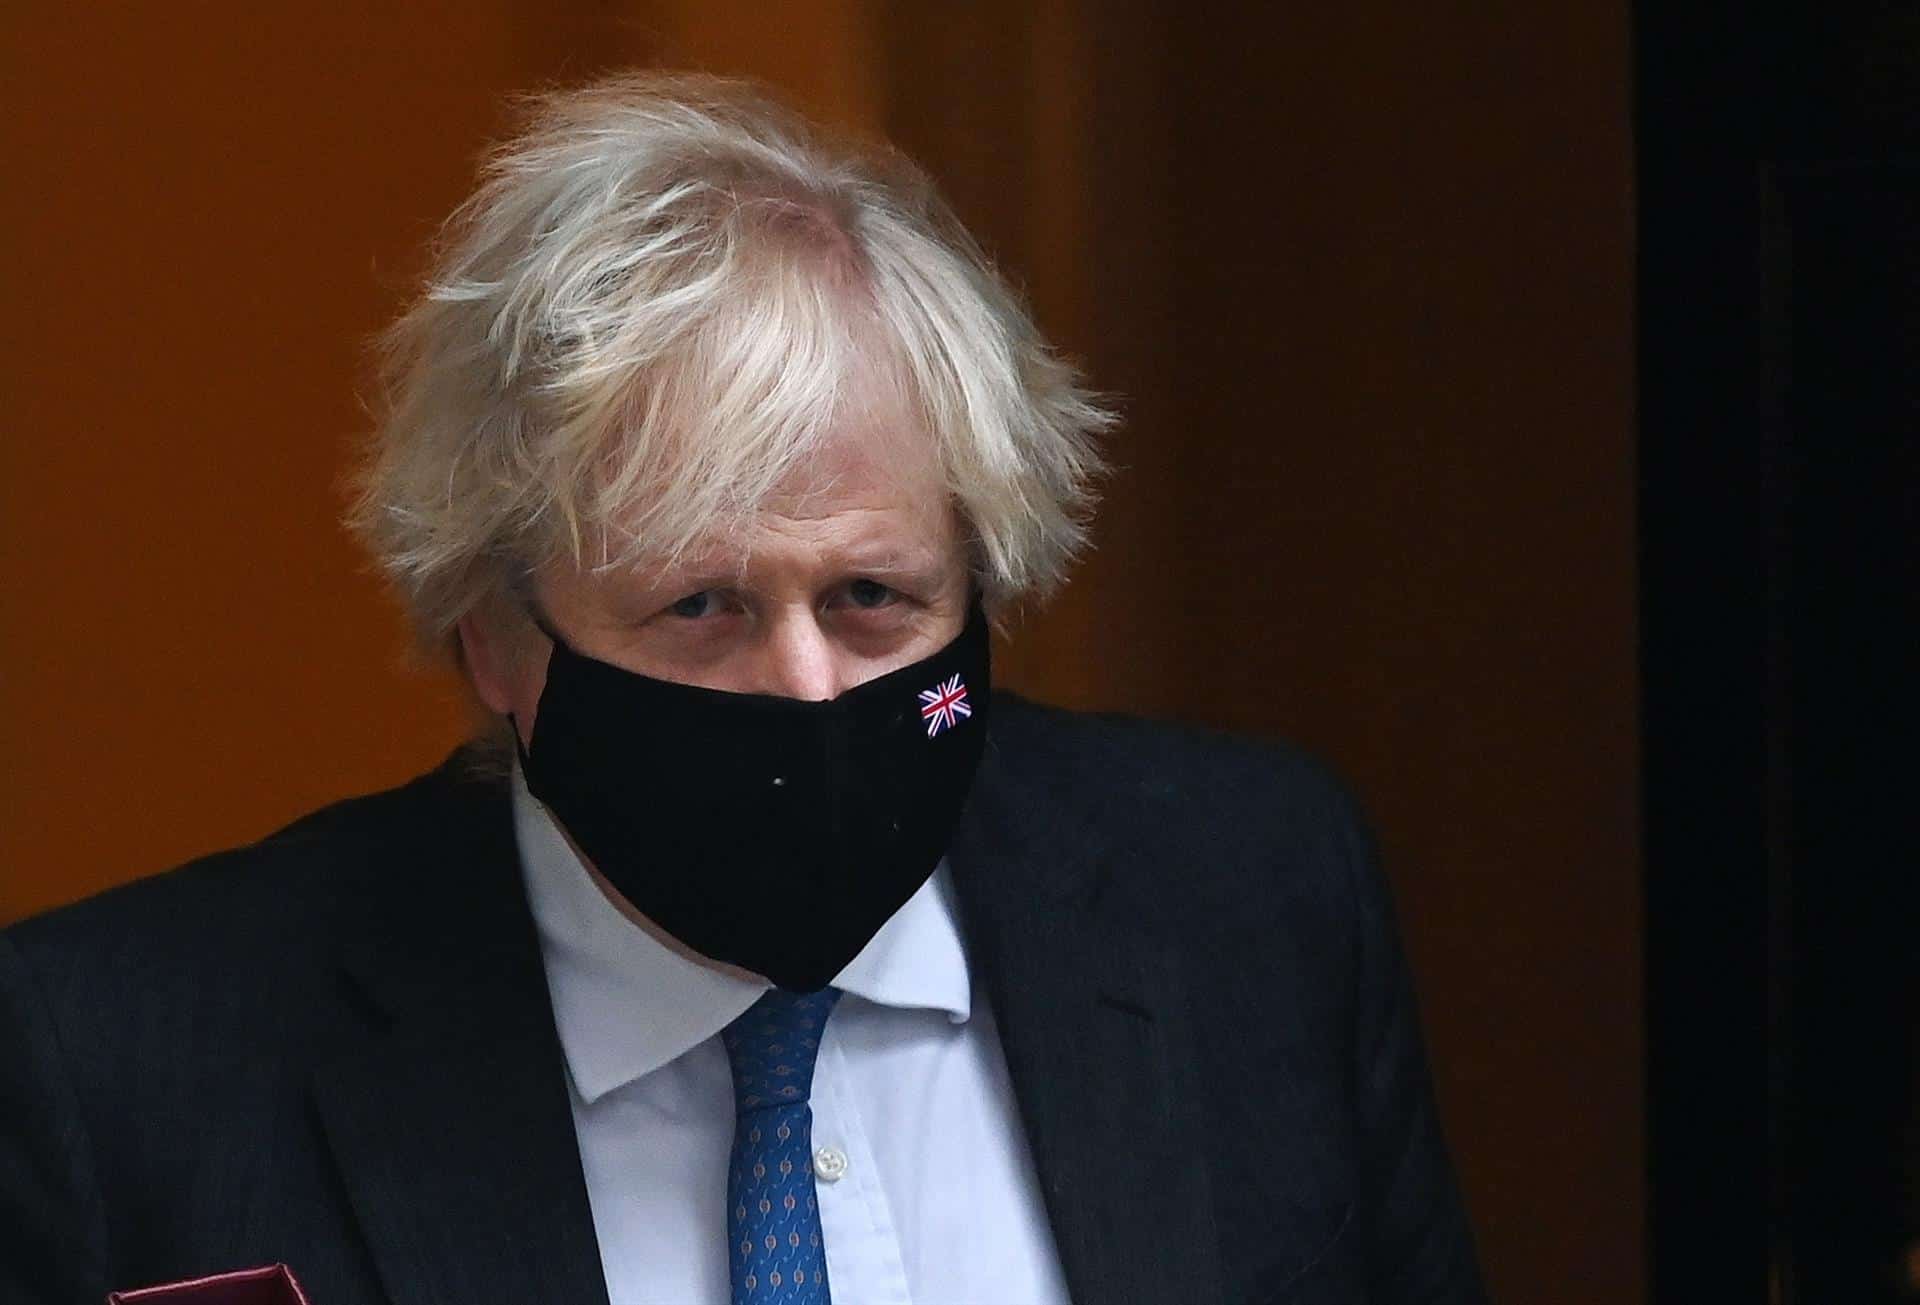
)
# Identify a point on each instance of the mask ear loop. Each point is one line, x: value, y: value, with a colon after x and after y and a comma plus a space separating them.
x: 545, y: 626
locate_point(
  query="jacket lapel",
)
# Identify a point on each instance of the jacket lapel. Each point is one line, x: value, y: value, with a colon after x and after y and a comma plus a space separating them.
x: 451, y: 1122
x: 1093, y: 1019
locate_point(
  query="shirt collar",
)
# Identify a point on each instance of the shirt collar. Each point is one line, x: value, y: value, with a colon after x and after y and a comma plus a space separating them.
x: 625, y: 1004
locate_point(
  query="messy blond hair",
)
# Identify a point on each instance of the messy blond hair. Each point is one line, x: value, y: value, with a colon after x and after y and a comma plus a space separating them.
x: 651, y: 310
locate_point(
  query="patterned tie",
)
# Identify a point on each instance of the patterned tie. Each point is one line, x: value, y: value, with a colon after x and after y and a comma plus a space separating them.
x: 773, y: 1216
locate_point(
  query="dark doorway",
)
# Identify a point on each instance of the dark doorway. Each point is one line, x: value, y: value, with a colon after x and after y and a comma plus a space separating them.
x: 1779, y: 156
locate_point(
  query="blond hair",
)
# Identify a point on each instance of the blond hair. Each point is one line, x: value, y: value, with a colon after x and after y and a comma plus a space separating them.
x: 650, y: 311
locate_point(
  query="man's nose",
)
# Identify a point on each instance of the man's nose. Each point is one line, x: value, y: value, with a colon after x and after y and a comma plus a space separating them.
x: 798, y: 659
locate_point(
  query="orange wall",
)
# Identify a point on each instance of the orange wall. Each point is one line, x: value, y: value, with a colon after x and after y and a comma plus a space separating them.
x: 210, y: 211
x: 1361, y: 278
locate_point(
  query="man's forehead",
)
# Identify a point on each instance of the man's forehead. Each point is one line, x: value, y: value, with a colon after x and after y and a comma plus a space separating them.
x: 877, y: 460
x: 880, y: 538
x: 845, y: 487
x: 866, y: 520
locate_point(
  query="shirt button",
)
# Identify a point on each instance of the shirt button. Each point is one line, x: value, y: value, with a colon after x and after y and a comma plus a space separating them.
x: 829, y: 1165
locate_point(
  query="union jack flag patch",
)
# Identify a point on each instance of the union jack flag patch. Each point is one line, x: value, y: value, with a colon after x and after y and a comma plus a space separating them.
x: 944, y: 706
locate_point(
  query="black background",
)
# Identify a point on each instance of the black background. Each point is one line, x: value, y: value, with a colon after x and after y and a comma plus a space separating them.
x: 1779, y: 319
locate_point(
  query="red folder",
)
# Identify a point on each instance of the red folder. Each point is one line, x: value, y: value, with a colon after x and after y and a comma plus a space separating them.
x: 273, y: 1285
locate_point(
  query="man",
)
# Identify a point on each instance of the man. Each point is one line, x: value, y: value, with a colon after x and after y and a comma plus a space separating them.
x: 756, y: 950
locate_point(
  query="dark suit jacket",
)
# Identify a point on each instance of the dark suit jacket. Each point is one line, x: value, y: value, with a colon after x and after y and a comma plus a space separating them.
x: 334, y: 1048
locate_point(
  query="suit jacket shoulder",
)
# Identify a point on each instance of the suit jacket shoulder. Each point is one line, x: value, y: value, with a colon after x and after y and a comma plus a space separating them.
x: 161, y: 1039
x: 146, y: 979
x: 1252, y: 825
x: 250, y: 909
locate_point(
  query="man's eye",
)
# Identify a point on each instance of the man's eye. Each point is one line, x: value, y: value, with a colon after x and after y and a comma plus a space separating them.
x: 695, y: 606
x: 870, y: 593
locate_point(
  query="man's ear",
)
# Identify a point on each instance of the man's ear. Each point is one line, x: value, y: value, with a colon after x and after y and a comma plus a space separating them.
x: 489, y: 657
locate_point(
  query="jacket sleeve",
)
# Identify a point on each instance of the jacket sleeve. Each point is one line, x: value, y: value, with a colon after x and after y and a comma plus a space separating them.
x: 52, y: 1247
x: 1419, y: 1244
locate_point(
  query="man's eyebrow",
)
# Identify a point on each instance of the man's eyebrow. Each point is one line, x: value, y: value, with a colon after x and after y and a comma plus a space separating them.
x: 920, y: 565
x: 879, y: 560
x: 679, y: 581
x: 916, y: 562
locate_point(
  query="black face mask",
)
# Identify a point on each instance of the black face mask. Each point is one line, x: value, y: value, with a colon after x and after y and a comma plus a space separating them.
x: 769, y: 833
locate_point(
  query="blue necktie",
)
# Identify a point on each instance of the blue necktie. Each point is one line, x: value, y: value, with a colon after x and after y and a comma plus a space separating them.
x: 776, y: 1256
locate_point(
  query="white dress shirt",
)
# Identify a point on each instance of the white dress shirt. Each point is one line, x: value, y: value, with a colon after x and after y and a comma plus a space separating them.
x: 935, y: 1201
